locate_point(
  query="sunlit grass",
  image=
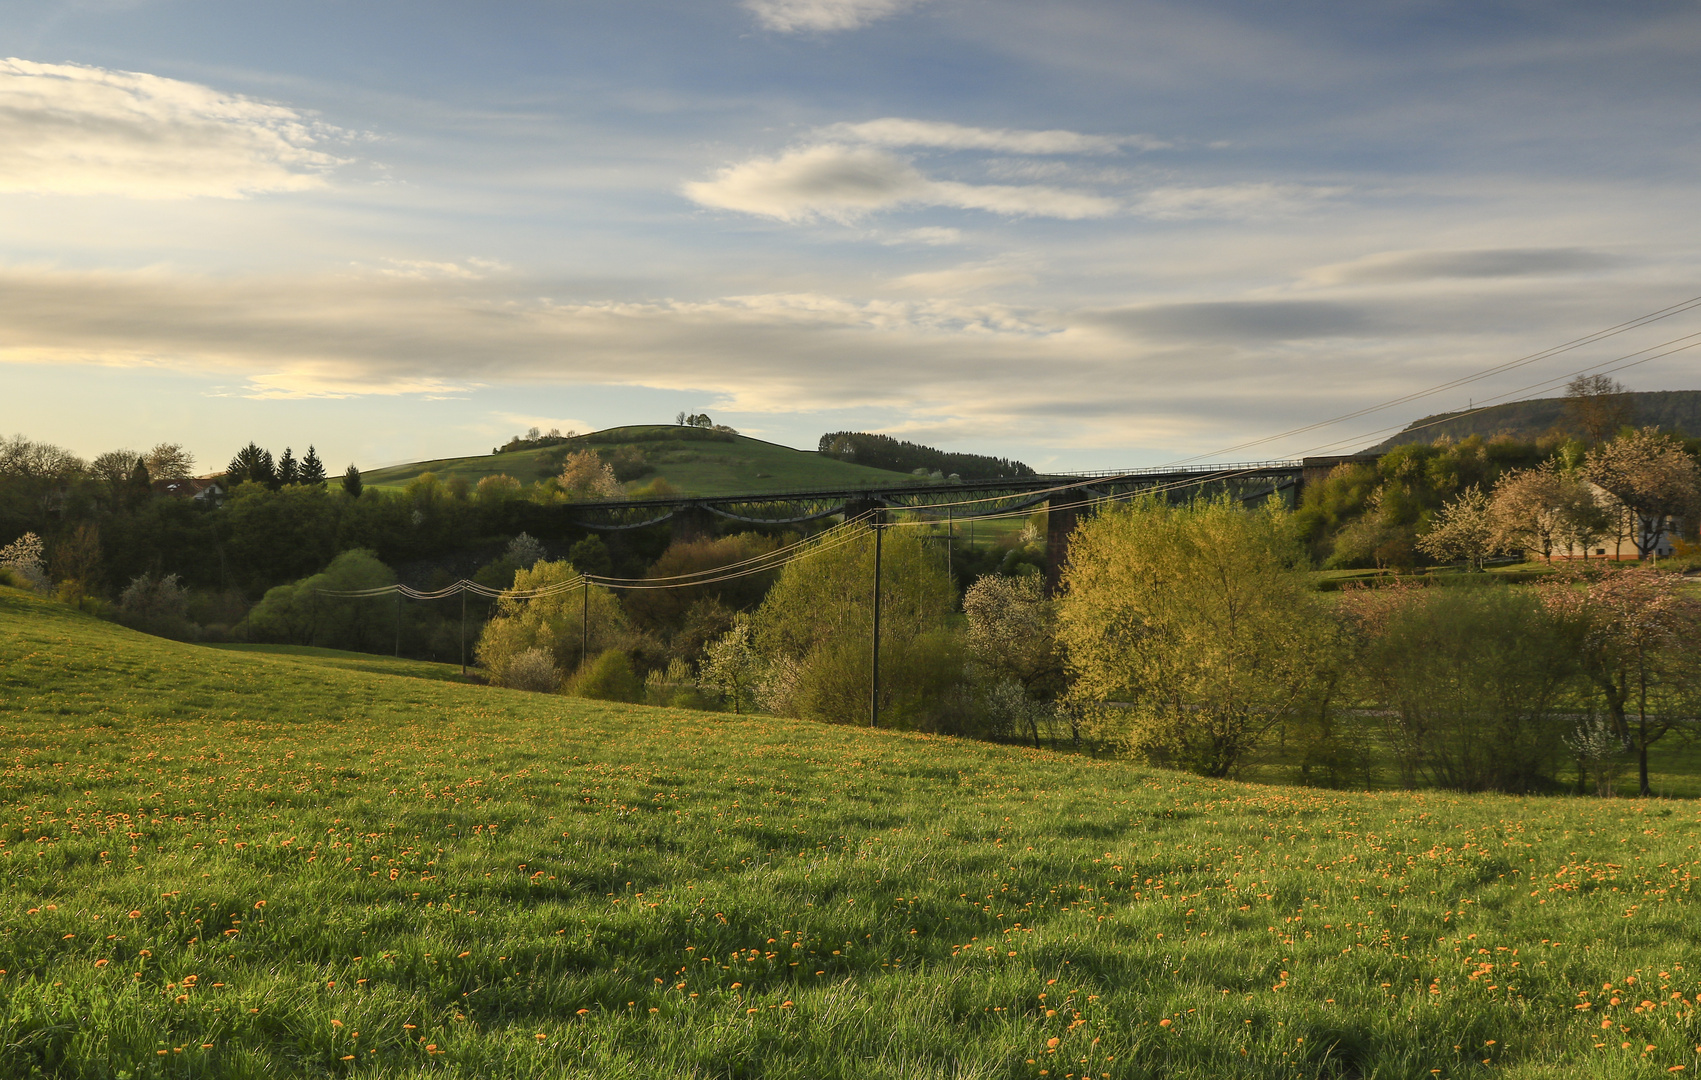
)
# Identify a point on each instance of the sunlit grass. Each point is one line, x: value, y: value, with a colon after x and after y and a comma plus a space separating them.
x: 220, y: 864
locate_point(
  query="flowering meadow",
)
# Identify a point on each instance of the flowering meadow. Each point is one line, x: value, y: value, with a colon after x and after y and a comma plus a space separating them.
x: 239, y: 864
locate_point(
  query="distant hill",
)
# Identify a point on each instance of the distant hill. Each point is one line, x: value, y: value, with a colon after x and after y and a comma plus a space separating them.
x: 1678, y: 411
x: 696, y: 461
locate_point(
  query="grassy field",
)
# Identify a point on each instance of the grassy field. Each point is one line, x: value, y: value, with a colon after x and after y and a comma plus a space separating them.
x: 230, y: 863
x: 744, y: 465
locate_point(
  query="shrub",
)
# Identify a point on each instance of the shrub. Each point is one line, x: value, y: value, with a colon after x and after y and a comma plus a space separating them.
x: 304, y: 612
x: 814, y: 628
x: 1472, y: 682
x: 533, y: 669
x: 550, y: 622
x: 1188, y: 629
x: 608, y: 678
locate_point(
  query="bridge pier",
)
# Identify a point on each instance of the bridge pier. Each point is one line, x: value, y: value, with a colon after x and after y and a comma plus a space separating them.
x: 1061, y: 516
x: 692, y: 522
x: 859, y: 505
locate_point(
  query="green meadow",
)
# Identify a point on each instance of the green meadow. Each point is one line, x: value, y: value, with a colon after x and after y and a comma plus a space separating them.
x: 739, y: 465
x: 282, y: 863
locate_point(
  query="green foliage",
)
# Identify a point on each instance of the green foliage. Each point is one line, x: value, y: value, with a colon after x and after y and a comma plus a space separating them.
x: 817, y: 621
x: 1472, y: 682
x: 590, y: 556
x: 552, y: 623
x: 1188, y: 631
x: 609, y: 677
x: 282, y: 534
x: 301, y: 613
x: 885, y: 452
x: 353, y: 486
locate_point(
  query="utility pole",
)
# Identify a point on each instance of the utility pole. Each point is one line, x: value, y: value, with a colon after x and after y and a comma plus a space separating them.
x: 950, y: 534
x: 874, y: 683
x: 463, y: 633
x: 584, y: 620
x: 398, y: 621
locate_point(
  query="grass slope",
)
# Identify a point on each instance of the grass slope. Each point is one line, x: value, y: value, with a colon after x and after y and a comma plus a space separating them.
x: 744, y: 465
x: 224, y: 864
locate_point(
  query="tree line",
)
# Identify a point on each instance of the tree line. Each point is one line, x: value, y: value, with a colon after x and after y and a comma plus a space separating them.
x: 885, y: 452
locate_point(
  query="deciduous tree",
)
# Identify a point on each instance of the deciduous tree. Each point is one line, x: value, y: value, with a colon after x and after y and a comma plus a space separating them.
x: 1188, y: 629
x: 1598, y: 405
x: 1652, y: 477
x: 1636, y: 630
x: 1463, y: 530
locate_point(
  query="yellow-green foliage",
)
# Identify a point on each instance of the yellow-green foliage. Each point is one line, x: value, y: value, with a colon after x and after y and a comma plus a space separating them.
x: 817, y: 622
x: 552, y: 623
x: 1188, y: 631
x: 233, y: 864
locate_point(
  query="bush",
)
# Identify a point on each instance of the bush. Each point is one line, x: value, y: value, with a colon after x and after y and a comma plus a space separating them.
x: 1189, y: 630
x: 1472, y: 682
x: 533, y: 670
x: 551, y: 622
x: 303, y: 613
x: 813, y: 633
x: 608, y: 678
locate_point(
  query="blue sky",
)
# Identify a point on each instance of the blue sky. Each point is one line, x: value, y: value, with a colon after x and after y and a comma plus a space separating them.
x: 1083, y: 234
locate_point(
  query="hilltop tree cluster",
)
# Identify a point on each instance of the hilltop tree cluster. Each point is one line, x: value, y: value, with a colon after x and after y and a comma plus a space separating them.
x: 885, y: 452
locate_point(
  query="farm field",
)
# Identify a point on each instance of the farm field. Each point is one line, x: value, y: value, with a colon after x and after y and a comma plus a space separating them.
x: 242, y: 863
x: 743, y: 465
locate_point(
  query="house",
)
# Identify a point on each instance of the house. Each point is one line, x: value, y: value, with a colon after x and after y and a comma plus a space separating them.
x: 1621, y: 545
x: 202, y: 489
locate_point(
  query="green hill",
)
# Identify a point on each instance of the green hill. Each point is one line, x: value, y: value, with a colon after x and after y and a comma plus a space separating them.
x: 234, y: 864
x: 698, y: 466
x: 1677, y: 411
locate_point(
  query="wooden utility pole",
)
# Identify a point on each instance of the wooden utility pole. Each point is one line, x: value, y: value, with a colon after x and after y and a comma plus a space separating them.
x: 874, y: 682
x: 584, y: 621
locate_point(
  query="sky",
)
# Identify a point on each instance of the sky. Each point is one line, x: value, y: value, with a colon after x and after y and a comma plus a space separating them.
x: 1083, y: 234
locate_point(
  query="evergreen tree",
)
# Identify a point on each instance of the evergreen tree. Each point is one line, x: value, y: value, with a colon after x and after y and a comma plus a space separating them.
x: 312, y: 469
x: 251, y: 464
x: 351, y: 482
x: 289, y: 470
x: 141, y: 485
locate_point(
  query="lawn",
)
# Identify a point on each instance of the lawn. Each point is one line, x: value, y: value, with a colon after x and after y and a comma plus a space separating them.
x: 222, y: 863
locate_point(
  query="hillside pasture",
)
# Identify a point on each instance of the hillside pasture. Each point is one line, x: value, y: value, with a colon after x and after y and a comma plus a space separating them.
x: 741, y: 465
x: 227, y: 863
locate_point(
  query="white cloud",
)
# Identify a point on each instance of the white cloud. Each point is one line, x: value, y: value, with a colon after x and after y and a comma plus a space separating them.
x: 1393, y: 267
x: 797, y: 16
x: 961, y: 279
x: 420, y: 269
x: 931, y: 235
x: 76, y: 130
x: 844, y: 182
x: 1232, y: 201
x: 897, y: 131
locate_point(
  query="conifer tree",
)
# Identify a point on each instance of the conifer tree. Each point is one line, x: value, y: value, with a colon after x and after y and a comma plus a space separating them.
x: 351, y: 482
x: 250, y: 464
x: 312, y: 469
x: 289, y: 470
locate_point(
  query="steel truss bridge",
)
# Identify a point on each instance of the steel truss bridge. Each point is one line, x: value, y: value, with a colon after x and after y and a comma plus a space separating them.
x: 1065, y: 496
x: 959, y: 500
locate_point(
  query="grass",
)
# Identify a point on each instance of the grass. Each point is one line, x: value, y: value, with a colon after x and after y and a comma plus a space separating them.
x: 217, y: 863
x: 741, y: 466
